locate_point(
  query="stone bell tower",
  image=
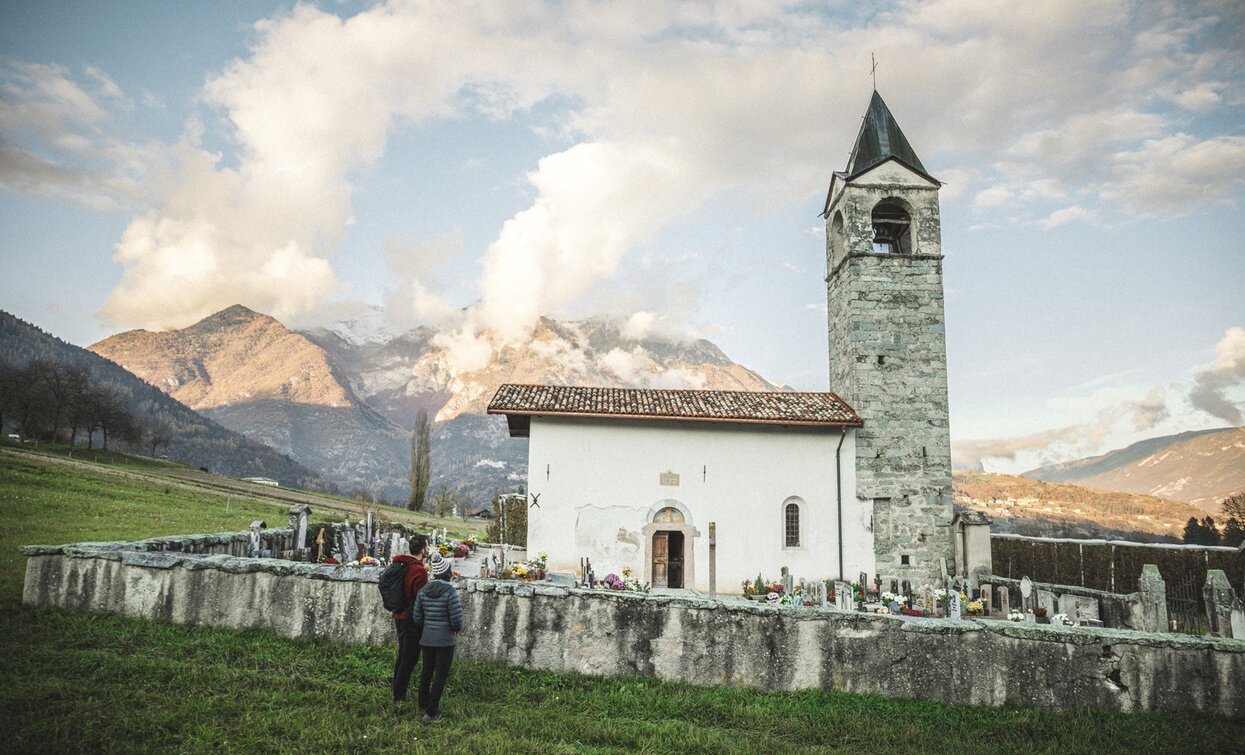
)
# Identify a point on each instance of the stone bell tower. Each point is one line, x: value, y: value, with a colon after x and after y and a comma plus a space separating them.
x: 888, y: 354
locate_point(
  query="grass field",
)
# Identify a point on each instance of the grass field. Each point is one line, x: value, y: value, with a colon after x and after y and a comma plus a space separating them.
x: 91, y: 683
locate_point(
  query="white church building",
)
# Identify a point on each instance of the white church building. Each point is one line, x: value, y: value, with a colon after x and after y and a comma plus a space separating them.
x: 676, y: 484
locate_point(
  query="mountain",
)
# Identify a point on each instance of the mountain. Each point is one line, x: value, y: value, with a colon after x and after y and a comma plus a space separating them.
x: 1201, y: 468
x: 194, y: 439
x: 252, y: 374
x: 341, y: 399
x: 1034, y: 507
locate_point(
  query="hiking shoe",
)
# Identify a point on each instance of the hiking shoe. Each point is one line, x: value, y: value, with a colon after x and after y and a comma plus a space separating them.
x: 428, y: 719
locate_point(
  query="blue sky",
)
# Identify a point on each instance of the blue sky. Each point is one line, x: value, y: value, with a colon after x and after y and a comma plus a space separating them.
x: 473, y: 167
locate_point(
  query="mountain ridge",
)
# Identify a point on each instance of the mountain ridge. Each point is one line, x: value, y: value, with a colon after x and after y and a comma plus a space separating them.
x: 1201, y: 467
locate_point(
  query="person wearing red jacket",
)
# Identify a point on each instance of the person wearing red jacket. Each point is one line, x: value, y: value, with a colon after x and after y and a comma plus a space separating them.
x: 408, y: 632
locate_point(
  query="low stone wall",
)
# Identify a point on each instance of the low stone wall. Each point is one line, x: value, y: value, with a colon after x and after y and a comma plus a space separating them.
x: 1114, y: 610
x: 699, y: 641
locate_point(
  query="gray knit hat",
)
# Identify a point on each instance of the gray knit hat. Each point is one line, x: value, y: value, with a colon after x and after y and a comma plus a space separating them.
x: 439, y: 566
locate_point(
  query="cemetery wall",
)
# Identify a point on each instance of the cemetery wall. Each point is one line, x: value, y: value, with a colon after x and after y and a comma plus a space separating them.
x: 699, y: 641
x: 1110, y: 565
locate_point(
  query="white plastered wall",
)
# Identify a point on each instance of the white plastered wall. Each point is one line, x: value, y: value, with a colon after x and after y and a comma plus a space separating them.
x: 599, y: 483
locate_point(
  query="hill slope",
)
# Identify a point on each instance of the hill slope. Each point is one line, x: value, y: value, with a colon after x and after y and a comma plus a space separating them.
x: 196, y: 440
x: 1201, y: 468
x: 1034, y: 507
x: 248, y: 372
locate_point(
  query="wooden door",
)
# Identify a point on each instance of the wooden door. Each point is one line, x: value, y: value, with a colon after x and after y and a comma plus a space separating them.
x: 674, y: 564
x: 661, y: 558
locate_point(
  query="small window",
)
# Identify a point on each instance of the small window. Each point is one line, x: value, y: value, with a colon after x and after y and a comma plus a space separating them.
x: 791, y: 520
x: 904, y: 560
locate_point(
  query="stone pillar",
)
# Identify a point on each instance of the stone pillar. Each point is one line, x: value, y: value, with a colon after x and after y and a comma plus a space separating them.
x: 1219, y: 597
x: 1149, y: 607
x: 973, y: 559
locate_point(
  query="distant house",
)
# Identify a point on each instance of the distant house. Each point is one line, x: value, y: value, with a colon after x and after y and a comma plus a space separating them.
x: 481, y: 514
x: 263, y: 481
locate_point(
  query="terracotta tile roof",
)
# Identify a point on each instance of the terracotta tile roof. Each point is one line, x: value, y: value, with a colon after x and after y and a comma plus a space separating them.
x: 520, y: 402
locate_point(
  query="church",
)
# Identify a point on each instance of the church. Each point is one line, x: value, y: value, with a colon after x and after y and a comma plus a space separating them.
x: 704, y: 489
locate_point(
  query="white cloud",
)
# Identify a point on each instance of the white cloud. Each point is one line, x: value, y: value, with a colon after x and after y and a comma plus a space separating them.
x: 1212, y: 384
x: 660, y: 108
x: 1066, y: 215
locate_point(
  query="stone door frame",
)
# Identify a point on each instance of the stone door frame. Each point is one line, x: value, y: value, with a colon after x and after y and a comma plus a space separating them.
x: 686, y: 528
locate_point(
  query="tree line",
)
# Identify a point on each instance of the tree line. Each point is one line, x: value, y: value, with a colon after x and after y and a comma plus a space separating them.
x: 56, y: 402
x: 1206, y: 532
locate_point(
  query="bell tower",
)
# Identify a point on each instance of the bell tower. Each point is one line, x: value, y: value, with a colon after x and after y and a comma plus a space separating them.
x: 888, y: 354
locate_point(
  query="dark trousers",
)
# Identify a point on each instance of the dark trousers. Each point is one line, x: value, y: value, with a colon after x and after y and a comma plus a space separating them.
x: 408, y: 656
x: 432, y: 678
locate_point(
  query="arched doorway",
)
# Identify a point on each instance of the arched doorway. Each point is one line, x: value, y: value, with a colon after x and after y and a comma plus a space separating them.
x: 668, y: 539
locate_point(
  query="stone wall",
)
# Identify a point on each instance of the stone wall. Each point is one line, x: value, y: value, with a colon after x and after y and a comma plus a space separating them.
x: 702, y: 642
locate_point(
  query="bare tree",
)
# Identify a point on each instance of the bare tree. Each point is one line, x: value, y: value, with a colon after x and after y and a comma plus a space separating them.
x: 1234, y: 506
x: 155, y: 434
x: 444, y: 500
x: 421, y: 461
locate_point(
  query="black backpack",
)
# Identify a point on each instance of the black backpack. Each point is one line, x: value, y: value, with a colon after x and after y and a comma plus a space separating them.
x: 392, y: 586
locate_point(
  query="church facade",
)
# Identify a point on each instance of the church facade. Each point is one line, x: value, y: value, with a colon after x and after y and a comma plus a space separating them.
x: 826, y: 484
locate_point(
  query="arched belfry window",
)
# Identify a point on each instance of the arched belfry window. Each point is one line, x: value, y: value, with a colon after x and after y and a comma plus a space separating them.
x: 892, y: 229
x: 791, y: 523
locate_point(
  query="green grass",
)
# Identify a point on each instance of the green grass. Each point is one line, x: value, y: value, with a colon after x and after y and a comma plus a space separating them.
x: 83, y: 682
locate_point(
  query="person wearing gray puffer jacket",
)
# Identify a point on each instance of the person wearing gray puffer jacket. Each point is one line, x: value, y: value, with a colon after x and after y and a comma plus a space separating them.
x: 438, y: 610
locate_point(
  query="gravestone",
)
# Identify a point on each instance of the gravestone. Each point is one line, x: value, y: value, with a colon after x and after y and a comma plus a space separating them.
x: 253, y: 545
x: 953, y: 605
x: 1026, y: 594
x: 787, y: 582
x: 930, y: 604
x: 1005, y: 599
x: 895, y: 586
x: 1219, y: 596
x: 843, y: 599
x: 346, y: 545
x: 863, y: 581
x: 1149, y: 611
x: 298, y: 522
x: 986, y: 594
x: 1079, y: 608
x: 1048, y: 600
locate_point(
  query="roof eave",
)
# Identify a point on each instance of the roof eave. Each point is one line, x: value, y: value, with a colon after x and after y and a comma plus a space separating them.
x: 524, y: 418
x: 899, y: 160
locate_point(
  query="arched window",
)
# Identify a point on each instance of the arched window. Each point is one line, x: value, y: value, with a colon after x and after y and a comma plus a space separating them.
x: 836, y: 239
x: 892, y: 228
x: 791, y: 524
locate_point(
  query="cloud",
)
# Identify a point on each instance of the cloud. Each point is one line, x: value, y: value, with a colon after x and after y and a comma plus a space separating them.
x: 1066, y: 215
x: 1121, y: 419
x: 418, y: 268
x: 1211, y: 385
x: 656, y: 109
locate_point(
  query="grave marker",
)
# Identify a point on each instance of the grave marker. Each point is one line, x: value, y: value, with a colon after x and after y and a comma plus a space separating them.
x: 1005, y: 598
x: 843, y: 599
x: 1026, y: 592
x: 986, y: 593
x: 953, y: 605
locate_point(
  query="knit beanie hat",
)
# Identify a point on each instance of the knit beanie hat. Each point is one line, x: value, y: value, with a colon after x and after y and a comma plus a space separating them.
x: 439, y: 566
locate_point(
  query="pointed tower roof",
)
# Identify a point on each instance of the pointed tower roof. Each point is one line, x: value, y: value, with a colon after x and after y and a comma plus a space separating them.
x: 880, y: 139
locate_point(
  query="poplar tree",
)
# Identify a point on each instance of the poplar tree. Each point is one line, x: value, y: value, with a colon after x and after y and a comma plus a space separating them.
x: 421, y: 463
